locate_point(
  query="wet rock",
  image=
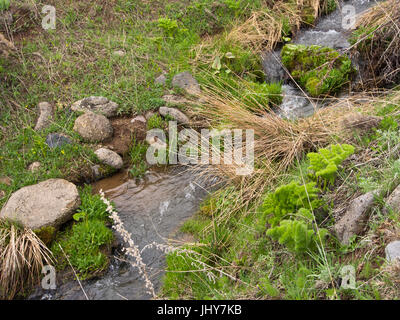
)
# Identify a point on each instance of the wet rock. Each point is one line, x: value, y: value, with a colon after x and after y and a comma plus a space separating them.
x: 57, y: 140
x: 6, y: 180
x: 186, y: 81
x: 272, y: 67
x: 100, y: 105
x: 93, y: 127
x: 35, y: 166
x: 139, y: 119
x: 109, y: 157
x: 161, y: 79
x: 179, y: 116
x: 392, y: 251
x: 49, y: 203
x: 45, y: 116
x: 353, y: 221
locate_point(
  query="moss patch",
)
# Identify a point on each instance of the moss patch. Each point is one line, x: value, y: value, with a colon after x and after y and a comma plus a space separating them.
x: 320, y: 70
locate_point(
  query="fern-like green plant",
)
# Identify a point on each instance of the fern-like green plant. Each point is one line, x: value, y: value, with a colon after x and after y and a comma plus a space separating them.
x: 288, y: 199
x: 324, y: 164
x: 297, y: 235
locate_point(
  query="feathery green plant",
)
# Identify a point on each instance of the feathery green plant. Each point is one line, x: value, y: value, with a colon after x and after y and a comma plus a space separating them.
x: 288, y: 199
x: 297, y: 235
x: 324, y: 164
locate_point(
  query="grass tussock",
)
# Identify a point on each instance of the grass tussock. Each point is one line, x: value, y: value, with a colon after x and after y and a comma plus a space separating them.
x: 278, y: 143
x: 377, y: 39
x: 264, y: 29
x: 22, y: 256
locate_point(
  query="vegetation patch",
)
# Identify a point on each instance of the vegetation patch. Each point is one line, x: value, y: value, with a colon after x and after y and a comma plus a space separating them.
x: 85, y: 244
x: 320, y: 70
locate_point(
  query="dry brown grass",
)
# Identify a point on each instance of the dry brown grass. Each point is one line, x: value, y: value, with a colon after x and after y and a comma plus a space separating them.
x: 263, y: 30
x: 22, y: 256
x: 381, y: 49
x: 278, y: 143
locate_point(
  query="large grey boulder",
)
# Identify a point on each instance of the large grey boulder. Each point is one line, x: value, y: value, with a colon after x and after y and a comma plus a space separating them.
x: 45, y: 116
x: 49, y: 203
x: 179, y: 116
x: 392, y: 251
x: 110, y: 158
x: 93, y: 127
x: 186, y: 81
x: 96, y: 104
x: 357, y: 214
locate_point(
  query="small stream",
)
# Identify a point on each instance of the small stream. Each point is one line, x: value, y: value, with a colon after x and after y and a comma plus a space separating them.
x: 327, y: 32
x: 154, y: 208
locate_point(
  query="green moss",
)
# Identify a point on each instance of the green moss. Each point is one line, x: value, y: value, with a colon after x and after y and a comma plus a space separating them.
x: 320, y: 70
x: 46, y: 234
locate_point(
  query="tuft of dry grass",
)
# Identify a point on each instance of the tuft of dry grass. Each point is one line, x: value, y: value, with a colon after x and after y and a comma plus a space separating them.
x: 264, y: 28
x: 278, y: 143
x: 22, y: 257
x: 379, y: 44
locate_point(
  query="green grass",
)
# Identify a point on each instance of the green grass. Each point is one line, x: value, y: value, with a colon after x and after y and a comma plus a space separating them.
x: 138, y: 156
x: 86, y: 242
x: 260, y: 268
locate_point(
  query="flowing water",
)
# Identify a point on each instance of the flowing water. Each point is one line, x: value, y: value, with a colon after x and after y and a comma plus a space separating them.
x: 153, y: 209
x: 328, y: 32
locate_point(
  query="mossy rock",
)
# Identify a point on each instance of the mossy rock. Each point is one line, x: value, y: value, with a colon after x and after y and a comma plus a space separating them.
x: 46, y: 234
x: 319, y: 70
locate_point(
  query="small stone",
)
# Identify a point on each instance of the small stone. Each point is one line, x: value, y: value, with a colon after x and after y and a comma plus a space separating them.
x: 96, y: 171
x: 174, y: 100
x: 139, y: 119
x: 57, y: 140
x: 149, y: 114
x: 119, y: 53
x: 109, y: 157
x: 179, y: 116
x: 161, y: 79
x: 45, y: 116
x: 186, y: 81
x: 96, y: 104
x: 393, y: 201
x: 6, y: 180
x: 2, y: 194
x: 49, y: 203
x: 392, y: 251
x: 93, y: 127
x: 35, y: 166
x: 353, y: 221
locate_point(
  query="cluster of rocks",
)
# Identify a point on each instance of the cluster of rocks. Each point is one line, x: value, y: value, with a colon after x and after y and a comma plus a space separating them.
x: 53, y: 202
x: 353, y: 222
